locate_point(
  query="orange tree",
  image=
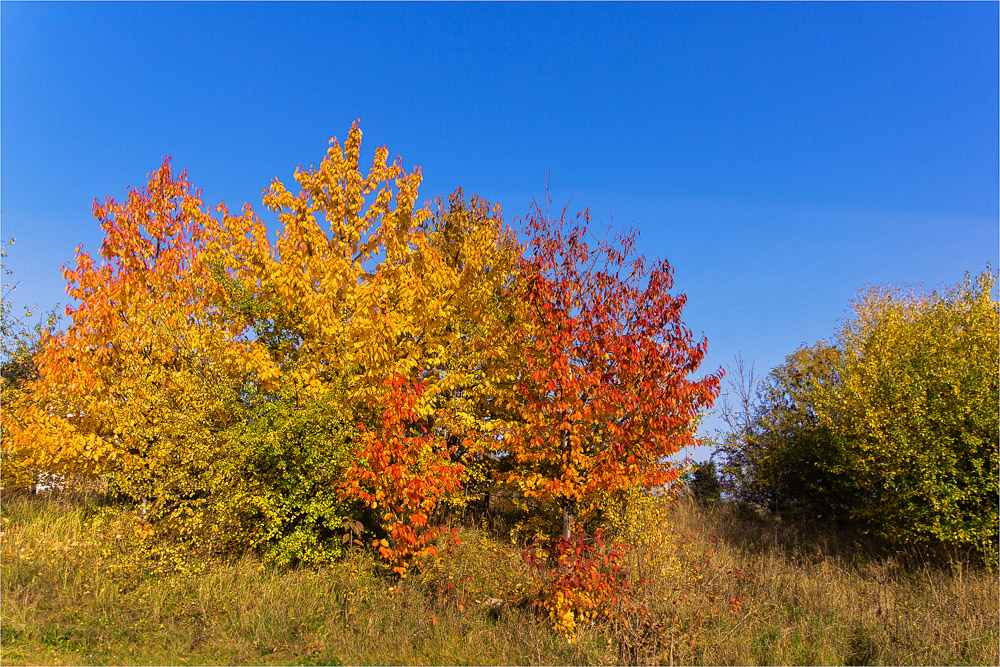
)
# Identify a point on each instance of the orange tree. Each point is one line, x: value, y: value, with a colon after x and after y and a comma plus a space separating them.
x: 122, y: 390
x: 604, y: 395
x: 146, y: 386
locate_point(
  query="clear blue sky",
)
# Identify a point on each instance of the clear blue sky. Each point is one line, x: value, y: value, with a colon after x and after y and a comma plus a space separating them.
x: 780, y: 156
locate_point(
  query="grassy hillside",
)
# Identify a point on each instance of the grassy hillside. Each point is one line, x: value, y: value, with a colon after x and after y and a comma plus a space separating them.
x: 721, y: 587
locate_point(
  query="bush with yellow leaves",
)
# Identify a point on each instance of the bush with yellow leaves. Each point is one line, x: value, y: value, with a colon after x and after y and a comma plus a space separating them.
x: 678, y: 586
x: 581, y: 580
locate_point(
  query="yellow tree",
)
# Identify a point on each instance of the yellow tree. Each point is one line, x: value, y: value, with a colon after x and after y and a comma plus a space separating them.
x: 915, y: 412
x: 362, y: 291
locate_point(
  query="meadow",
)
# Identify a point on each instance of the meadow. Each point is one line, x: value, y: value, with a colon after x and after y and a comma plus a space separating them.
x: 716, y: 584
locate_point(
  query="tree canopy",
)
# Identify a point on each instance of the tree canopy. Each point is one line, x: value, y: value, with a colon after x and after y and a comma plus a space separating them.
x: 372, y: 360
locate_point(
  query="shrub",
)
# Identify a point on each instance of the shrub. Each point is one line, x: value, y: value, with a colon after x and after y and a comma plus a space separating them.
x: 896, y: 426
x: 915, y: 416
x: 704, y: 482
x: 778, y: 454
x: 281, y: 475
x: 581, y: 581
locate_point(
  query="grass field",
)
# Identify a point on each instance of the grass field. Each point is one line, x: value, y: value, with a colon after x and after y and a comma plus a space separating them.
x: 721, y: 587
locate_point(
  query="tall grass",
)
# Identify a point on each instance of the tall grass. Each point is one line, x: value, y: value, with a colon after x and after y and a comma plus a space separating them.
x: 825, y: 595
x: 804, y: 596
x: 61, y: 606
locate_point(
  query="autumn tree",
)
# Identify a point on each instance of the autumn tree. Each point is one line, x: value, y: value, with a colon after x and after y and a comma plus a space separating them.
x: 604, y: 394
x: 916, y: 414
x: 120, y: 391
x: 19, y: 347
x: 894, y: 426
x: 148, y: 389
x: 363, y: 299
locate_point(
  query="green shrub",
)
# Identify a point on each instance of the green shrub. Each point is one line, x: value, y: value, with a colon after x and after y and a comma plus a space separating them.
x: 895, y: 426
x: 277, y: 490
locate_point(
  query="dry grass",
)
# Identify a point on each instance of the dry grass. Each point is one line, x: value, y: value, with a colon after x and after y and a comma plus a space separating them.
x: 825, y: 595
x: 808, y: 597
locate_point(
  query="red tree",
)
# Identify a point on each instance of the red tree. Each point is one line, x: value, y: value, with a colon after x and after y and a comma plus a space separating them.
x: 605, y: 397
x: 401, y: 472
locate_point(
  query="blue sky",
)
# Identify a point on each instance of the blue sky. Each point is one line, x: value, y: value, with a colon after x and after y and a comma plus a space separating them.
x: 780, y: 156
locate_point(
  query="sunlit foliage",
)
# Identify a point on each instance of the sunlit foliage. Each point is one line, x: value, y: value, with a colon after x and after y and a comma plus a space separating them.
x: 365, y: 362
x: 604, y: 398
x: 916, y: 414
x: 895, y: 426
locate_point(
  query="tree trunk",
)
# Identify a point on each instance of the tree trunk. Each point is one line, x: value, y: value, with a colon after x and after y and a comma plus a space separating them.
x: 568, y: 506
x: 567, y: 518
